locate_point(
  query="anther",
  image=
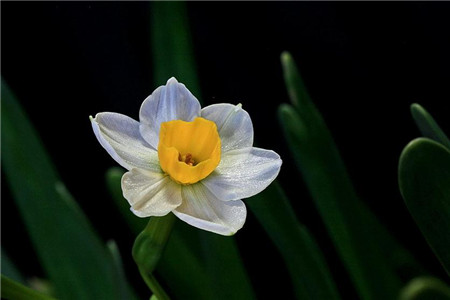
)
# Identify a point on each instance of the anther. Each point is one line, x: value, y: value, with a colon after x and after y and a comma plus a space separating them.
x: 187, y: 159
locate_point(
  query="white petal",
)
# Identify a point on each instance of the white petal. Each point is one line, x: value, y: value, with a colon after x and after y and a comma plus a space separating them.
x: 233, y: 123
x: 170, y: 102
x: 120, y: 136
x: 150, y: 194
x: 200, y: 208
x: 243, y: 173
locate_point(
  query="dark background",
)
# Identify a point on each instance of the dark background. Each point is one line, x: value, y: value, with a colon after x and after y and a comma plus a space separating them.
x: 363, y: 63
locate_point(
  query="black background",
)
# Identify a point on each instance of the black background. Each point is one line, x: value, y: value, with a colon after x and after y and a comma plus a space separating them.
x: 363, y: 63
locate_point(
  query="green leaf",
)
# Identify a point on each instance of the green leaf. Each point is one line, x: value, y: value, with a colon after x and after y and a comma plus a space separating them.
x: 310, y: 275
x: 350, y: 224
x: 425, y: 288
x: 125, y: 291
x: 9, y: 269
x: 13, y: 290
x: 70, y: 252
x: 428, y: 126
x: 172, y: 49
x: 424, y: 180
x: 182, y: 270
x: 221, y: 253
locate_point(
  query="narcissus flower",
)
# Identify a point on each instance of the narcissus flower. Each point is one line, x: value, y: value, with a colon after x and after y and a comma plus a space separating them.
x: 197, y: 163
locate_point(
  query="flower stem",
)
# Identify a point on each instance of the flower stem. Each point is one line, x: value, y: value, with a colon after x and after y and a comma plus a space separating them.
x: 148, y: 248
x: 154, y: 285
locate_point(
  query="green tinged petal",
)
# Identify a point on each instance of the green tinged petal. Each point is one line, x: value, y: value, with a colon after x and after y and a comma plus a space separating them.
x: 113, y: 183
x: 185, y: 275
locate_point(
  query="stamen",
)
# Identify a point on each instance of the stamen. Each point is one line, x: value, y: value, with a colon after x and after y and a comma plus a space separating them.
x: 187, y: 159
x: 189, y: 151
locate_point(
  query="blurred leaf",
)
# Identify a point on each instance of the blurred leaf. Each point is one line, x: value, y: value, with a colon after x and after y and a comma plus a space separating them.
x: 343, y: 213
x: 425, y: 288
x: 428, y: 126
x: 424, y: 180
x: 13, y: 290
x: 125, y: 291
x: 173, y: 55
x: 183, y: 272
x: 71, y: 253
x: 397, y: 256
x: 172, y: 49
x: 9, y: 269
x: 369, y: 272
x: 42, y: 285
x: 122, y: 289
x: 179, y: 266
x: 310, y: 275
x: 225, y: 267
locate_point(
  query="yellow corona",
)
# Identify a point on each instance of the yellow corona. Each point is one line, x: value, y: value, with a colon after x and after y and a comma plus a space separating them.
x: 189, y: 151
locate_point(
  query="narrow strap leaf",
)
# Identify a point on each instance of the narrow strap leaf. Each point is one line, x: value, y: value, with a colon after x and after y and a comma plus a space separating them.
x: 344, y: 215
x: 172, y: 48
x: 124, y: 288
x: 9, y: 269
x: 424, y: 181
x: 221, y: 253
x: 425, y: 288
x: 428, y: 126
x: 13, y: 290
x: 79, y: 267
x: 309, y: 272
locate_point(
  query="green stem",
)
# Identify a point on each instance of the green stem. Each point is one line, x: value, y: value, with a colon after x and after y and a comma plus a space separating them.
x: 148, y: 248
x: 154, y: 285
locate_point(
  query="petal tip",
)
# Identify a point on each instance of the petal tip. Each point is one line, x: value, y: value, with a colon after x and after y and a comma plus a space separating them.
x: 137, y: 213
x: 172, y: 80
x: 94, y: 118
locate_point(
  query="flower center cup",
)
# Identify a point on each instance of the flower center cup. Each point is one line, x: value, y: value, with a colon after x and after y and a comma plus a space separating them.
x: 189, y: 151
